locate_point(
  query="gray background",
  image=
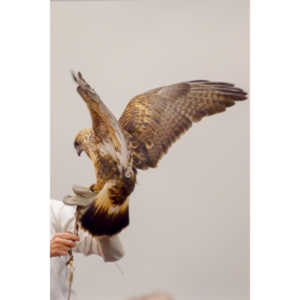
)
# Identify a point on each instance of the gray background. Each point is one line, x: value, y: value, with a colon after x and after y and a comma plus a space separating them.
x: 189, y: 232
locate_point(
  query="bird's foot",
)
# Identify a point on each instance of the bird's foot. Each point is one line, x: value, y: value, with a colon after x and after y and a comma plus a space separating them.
x: 96, y: 187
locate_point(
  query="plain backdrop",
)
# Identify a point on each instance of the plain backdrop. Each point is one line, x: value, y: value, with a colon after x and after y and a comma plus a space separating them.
x: 189, y: 231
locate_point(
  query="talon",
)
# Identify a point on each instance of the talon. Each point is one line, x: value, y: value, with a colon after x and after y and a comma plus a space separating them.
x: 97, y: 187
x: 94, y: 188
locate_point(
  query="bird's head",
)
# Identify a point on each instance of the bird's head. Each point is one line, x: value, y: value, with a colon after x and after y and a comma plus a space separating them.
x: 82, y: 141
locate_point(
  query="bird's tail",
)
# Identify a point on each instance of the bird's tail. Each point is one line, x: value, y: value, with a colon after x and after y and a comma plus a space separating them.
x: 105, y: 216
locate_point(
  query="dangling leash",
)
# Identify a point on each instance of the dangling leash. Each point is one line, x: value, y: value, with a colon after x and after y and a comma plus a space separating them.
x: 70, y: 262
x: 111, y: 247
x: 83, y: 197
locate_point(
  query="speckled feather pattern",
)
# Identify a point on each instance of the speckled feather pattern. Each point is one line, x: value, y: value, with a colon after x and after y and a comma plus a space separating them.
x: 150, y: 124
x: 155, y: 119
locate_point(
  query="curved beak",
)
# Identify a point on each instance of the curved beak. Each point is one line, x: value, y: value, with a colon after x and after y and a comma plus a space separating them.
x: 78, y: 151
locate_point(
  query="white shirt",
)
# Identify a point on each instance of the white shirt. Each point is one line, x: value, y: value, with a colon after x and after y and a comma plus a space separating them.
x: 62, y: 219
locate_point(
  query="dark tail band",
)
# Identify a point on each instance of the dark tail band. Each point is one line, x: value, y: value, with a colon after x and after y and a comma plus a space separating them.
x: 99, y: 222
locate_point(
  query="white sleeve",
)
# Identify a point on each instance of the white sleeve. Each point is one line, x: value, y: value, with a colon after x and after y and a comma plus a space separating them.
x: 62, y: 219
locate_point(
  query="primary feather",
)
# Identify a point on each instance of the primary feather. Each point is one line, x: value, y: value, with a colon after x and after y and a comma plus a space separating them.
x: 155, y: 119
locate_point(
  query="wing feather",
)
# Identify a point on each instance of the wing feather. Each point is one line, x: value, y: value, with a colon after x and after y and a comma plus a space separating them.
x: 105, y: 125
x: 153, y: 121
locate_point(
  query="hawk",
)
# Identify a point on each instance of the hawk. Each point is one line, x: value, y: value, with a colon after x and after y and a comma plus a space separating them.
x: 149, y: 125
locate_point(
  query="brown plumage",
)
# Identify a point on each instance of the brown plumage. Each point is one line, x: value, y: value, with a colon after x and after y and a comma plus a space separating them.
x: 155, y: 119
x: 150, y: 124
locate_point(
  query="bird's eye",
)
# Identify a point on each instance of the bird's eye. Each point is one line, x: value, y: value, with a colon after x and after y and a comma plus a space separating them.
x: 76, y: 144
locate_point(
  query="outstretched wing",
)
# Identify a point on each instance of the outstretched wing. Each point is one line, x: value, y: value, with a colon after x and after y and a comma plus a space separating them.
x: 105, y: 125
x: 154, y: 120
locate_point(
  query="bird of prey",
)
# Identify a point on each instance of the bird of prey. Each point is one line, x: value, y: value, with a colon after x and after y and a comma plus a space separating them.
x: 150, y: 124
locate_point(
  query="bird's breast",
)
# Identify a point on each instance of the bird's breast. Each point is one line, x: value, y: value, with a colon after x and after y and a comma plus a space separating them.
x: 122, y: 188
